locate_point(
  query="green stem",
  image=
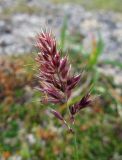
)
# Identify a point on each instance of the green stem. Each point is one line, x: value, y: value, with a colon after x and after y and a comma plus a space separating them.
x: 76, y: 146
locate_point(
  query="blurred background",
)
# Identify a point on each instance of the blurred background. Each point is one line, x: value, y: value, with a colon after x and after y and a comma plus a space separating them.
x: 90, y: 31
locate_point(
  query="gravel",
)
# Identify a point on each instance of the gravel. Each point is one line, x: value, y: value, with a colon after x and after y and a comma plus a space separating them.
x: 18, y: 30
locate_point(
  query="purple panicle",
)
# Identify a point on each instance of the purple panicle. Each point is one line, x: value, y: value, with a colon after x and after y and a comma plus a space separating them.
x: 56, y: 82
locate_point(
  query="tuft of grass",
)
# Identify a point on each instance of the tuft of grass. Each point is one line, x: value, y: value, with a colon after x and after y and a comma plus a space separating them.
x: 98, y: 128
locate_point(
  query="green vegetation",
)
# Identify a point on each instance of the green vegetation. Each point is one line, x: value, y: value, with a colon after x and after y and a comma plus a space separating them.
x: 114, y: 5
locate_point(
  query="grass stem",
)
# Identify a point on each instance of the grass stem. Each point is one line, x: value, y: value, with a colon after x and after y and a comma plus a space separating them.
x: 76, y: 146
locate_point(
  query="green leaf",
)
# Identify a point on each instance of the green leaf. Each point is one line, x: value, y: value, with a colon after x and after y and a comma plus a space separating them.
x: 94, y: 56
x: 63, y: 33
